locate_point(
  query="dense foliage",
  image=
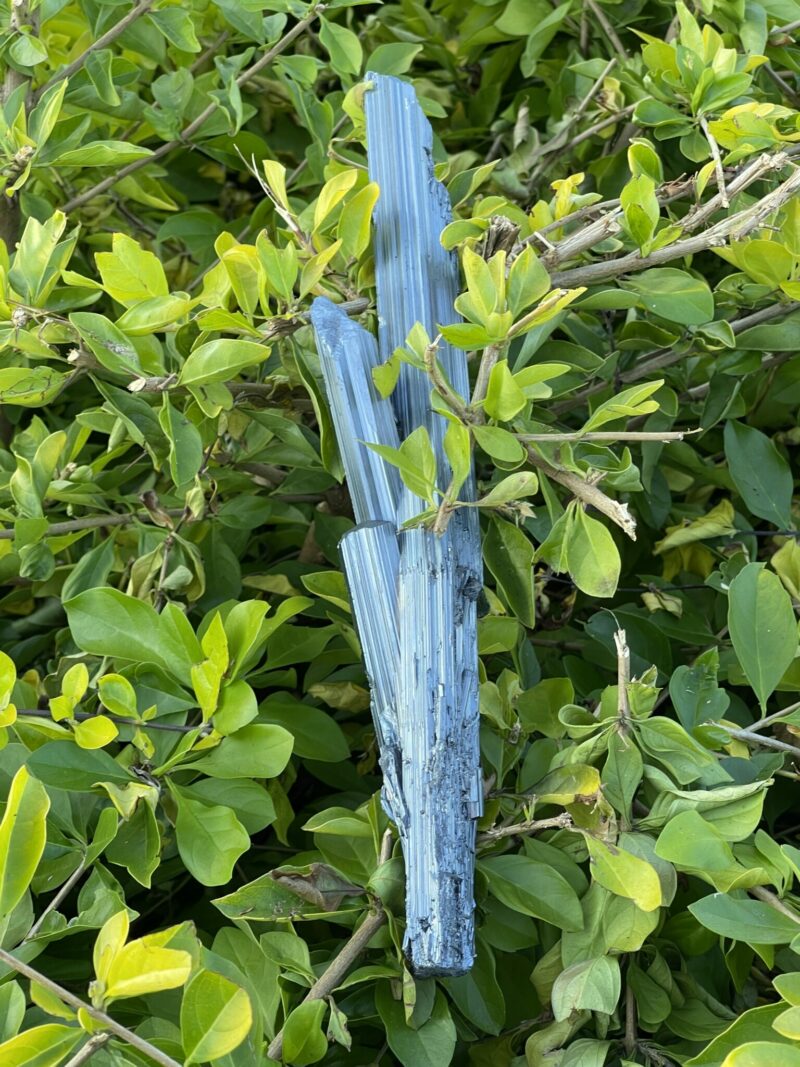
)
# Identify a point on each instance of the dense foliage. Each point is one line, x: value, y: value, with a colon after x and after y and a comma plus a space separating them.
x: 192, y: 835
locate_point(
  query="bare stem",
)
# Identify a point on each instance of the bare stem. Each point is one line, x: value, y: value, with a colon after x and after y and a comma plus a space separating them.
x: 775, y: 717
x: 623, y: 676
x: 712, y: 144
x: 188, y: 132
x: 489, y: 359
x: 117, y: 1029
x: 734, y: 227
x: 608, y: 29
x: 630, y: 1020
x: 774, y: 901
x: 441, y: 385
x: 338, y: 967
x: 767, y: 742
x: 611, y: 435
x: 93, y: 522
x: 83, y: 716
x: 586, y: 492
x: 85, y: 1052
x: 61, y: 895
x: 532, y: 826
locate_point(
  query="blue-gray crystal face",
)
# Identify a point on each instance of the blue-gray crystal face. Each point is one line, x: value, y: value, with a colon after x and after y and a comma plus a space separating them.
x: 413, y: 592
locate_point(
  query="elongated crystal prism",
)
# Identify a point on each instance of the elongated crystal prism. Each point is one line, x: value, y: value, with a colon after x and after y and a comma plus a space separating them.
x: 414, y: 593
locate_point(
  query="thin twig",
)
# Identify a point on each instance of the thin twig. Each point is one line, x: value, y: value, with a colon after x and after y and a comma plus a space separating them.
x: 188, y: 132
x: 775, y: 717
x: 532, y: 826
x: 61, y: 895
x: 101, y: 42
x: 623, y: 676
x: 489, y: 359
x: 84, y: 716
x: 733, y: 227
x: 93, y: 522
x: 608, y: 29
x: 768, y: 742
x: 99, y: 1016
x: 630, y: 1020
x: 341, y: 963
x: 586, y: 491
x: 712, y: 144
x: 776, y: 31
x: 610, y: 435
x: 562, y: 136
x: 85, y: 1052
x: 774, y: 901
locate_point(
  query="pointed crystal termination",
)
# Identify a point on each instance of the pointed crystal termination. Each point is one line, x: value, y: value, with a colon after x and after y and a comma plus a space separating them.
x: 439, y: 578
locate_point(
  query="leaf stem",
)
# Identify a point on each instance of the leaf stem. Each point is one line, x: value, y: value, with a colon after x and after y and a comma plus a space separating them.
x: 99, y: 1016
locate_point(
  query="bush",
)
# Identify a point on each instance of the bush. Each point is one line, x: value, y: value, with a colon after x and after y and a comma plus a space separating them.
x: 192, y: 834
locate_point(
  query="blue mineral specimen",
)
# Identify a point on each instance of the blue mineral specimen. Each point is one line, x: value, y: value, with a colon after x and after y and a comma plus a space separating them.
x: 413, y: 592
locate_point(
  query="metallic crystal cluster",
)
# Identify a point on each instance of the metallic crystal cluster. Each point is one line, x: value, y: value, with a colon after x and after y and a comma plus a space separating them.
x: 413, y: 592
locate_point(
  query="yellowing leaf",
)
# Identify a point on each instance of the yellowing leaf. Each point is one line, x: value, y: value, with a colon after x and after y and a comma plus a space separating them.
x: 23, y: 835
x: 95, y: 732
x: 332, y: 193
x: 41, y: 1046
x: 624, y: 874
x: 216, y: 1016
x: 130, y: 273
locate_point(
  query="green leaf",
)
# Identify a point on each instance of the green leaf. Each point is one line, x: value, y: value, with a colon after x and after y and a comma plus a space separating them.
x: 504, y: 398
x: 762, y: 626
x: 592, y: 556
x: 415, y: 460
x: 395, y: 58
x: 256, y: 751
x: 102, y: 154
x: 109, y: 623
x: 210, y: 839
x: 41, y: 1046
x: 23, y: 833
x: 130, y: 273
x: 741, y: 919
x: 62, y: 765
x: 216, y: 1017
x: 304, y: 1041
x: 592, y: 985
x: 534, y: 889
x: 344, y: 48
x: 624, y: 874
x: 675, y: 295
x: 499, y: 444
x: 763, y: 1054
x: 431, y: 1045
x: 185, y: 443
x: 220, y: 361
x: 354, y: 223
x: 630, y: 403
x: 528, y: 281
x: 509, y: 556
x: 760, y: 473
